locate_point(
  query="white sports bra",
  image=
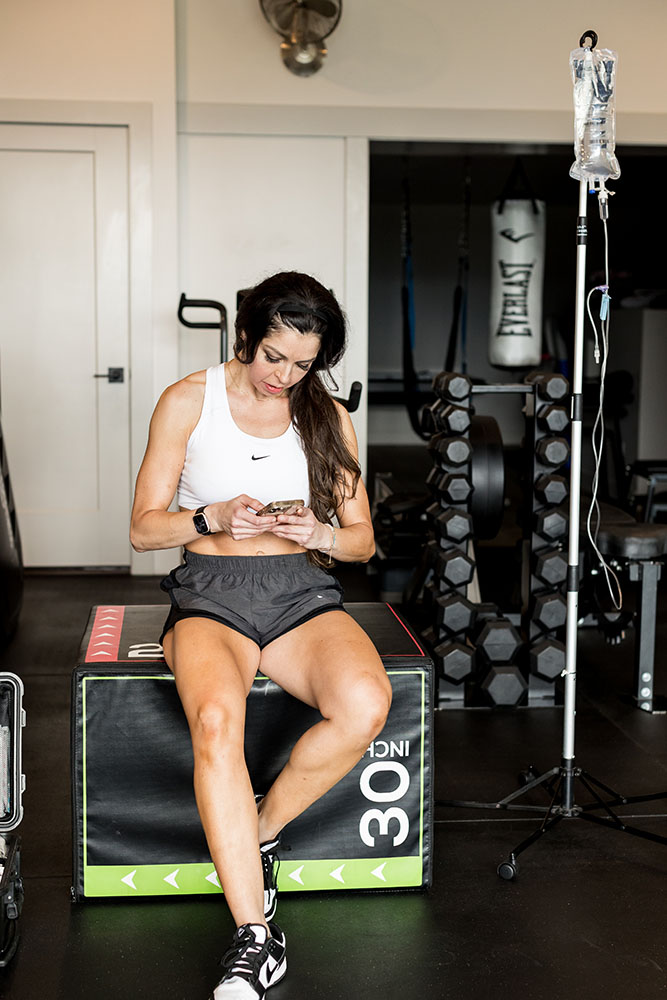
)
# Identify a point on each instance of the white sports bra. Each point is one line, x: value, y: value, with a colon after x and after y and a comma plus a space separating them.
x: 222, y: 461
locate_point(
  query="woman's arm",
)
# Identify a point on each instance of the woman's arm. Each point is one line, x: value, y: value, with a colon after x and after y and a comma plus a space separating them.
x: 354, y: 540
x: 153, y: 526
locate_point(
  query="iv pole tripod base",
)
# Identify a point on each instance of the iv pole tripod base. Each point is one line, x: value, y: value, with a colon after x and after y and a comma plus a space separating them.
x: 559, y: 783
x: 563, y: 806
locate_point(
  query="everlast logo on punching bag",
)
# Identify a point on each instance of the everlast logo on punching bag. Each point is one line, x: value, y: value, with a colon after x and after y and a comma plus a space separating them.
x: 514, y: 319
x: 517, y: 277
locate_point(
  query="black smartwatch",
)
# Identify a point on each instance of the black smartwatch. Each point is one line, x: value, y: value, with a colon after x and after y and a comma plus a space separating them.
x: 200, y: 521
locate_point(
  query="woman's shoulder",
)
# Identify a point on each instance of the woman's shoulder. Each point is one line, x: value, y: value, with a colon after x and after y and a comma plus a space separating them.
x: 343, y: 416
x: 182, y: 401
x: 346, y: 426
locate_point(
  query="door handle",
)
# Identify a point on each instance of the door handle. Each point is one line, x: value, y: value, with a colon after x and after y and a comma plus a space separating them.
x: 112, y: 375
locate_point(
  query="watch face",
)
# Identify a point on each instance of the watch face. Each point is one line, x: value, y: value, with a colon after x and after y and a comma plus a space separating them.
x: 201, y: 524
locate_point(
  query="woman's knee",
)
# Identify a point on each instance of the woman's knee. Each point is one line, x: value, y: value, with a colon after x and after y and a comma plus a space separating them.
x: 365, y: 712
x: 216, y: 725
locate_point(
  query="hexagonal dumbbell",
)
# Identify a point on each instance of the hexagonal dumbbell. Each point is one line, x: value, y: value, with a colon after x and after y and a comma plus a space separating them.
x: 552, y: 450
x: 441, y: 416
x: 497, y: 641
x: 454, y: 613
x: 553, y: 418
x: 454, y: 419
x: 453, y: 525
x: 551, y: 489
x: 452, y: 487
x: 454, y: 568
x: 455, y: 660
x: 549, y: 611
x: 452, y: 387
x: 450, y: 450
x: 552, y: 387
x: 547, y: 658
x: 551, y: 567
x: 504, y: 685
x: 551, y: 524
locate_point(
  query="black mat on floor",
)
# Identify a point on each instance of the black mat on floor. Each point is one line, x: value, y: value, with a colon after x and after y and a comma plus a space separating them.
x: 585, y: 918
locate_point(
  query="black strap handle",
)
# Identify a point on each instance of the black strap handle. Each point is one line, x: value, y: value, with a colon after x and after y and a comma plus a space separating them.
x: 352, y: 402
x: 185, y: 303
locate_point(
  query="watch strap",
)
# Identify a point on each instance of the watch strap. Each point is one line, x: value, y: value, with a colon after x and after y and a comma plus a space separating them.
x: 202, y: 527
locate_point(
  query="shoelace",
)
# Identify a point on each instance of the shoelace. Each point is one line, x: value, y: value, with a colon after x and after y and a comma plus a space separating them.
x: 271, y: 866
x: 242, y: 957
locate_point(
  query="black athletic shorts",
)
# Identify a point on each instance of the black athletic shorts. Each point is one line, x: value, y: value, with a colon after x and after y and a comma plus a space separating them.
x: 259, y: 596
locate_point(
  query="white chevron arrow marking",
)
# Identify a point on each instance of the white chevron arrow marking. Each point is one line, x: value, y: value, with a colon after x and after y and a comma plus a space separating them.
x: 378, y: 872
x: 337, y: 874
x: 129, y: 879
x: 171, y: 879
x: 213, y: 879
x: 102, y: 652
x: 296, y: 875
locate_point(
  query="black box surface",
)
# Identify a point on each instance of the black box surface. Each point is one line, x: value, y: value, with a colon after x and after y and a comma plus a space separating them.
x: 136, y: 826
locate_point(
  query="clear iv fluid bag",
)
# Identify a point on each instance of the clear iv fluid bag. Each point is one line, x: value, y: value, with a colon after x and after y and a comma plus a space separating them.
x: 594, y: 79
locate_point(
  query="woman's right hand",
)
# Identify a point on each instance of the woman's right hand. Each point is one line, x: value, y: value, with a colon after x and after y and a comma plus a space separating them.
x: 237, y: 517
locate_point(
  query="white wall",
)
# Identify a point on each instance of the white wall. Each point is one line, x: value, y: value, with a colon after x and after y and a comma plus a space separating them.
x: 424, y: 54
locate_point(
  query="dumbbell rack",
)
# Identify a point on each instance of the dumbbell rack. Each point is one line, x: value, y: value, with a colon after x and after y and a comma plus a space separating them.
x: 482, y: 657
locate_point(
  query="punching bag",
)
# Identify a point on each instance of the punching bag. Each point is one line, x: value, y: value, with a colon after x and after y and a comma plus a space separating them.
x: 517, y: 278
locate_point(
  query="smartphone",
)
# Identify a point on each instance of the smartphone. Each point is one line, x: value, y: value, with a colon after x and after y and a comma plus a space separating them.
x: 280, y: 507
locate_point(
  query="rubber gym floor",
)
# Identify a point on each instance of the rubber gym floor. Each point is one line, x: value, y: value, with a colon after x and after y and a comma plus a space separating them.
x: 585, y: 918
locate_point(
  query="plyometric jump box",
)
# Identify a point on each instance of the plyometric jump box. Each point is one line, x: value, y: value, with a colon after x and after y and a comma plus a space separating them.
x: 136, y: 827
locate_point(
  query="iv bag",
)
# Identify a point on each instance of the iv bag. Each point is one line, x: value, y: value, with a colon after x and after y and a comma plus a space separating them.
x: 593, y: 75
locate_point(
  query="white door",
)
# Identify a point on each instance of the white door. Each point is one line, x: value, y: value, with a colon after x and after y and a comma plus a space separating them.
x: 63, y: 321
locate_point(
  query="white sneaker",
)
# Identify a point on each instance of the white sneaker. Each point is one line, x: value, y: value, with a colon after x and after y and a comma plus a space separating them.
x: 255, y: 962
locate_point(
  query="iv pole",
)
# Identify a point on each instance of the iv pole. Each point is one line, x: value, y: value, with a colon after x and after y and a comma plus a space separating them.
x: 560, y: 781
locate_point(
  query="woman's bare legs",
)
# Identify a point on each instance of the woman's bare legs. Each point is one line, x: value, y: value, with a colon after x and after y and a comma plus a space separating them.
x: 331, y: 664
x: 214, y: 668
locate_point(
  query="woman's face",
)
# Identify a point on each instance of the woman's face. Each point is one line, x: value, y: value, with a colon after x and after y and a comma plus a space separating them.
x: 283, y: 358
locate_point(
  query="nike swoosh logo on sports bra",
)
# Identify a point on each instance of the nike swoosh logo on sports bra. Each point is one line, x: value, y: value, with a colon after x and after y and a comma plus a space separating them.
x: 256, y: 458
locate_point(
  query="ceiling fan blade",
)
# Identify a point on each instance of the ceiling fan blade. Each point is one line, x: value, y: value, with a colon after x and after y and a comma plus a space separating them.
x: 325, y: 8
x: 283, y: 15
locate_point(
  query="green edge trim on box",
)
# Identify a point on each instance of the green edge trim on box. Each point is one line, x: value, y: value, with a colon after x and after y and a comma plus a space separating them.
x: 122, y: 880
x: 189, y: 879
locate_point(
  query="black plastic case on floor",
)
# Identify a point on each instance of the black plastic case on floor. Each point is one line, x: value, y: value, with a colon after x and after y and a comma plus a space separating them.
x: 12, y: 784
x: 136, y: 826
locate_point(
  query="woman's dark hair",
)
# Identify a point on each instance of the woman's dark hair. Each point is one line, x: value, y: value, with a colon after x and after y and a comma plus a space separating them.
x: 301, y: 303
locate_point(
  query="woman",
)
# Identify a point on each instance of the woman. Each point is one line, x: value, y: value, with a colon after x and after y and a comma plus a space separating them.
x: 252, y: 593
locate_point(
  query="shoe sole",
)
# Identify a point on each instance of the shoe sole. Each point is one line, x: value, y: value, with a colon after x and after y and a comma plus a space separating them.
x: 277, y: 976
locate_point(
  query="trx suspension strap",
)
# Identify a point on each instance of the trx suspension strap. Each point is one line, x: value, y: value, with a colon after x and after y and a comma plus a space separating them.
x: 410, y: 382
x: 460, y: 305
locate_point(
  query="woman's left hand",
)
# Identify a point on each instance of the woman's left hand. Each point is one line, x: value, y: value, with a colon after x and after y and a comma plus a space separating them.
x: 303, y: 528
